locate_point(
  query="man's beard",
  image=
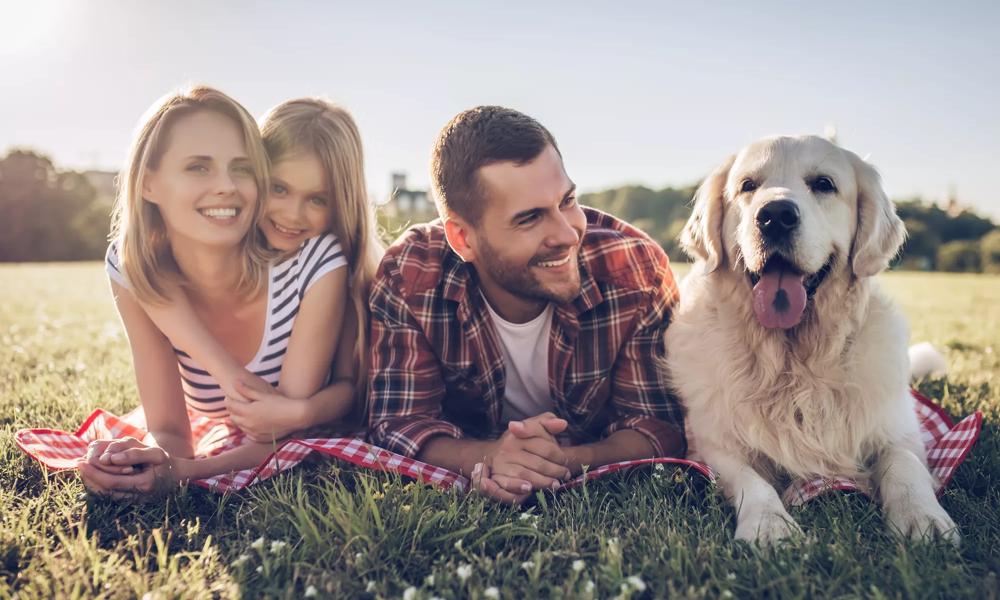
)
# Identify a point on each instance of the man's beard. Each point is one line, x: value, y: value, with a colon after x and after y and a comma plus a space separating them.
x: 520, y: 280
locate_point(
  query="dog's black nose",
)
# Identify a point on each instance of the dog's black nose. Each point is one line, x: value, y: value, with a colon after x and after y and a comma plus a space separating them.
x: 777, y: 219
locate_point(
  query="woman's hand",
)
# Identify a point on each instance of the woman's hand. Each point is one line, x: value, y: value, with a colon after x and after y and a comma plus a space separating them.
x: 127, y: 468
x: 229, y: 382
x: 265, y: 415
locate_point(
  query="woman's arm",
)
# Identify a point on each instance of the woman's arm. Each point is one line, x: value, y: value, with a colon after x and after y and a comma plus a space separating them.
x: 156, y: 376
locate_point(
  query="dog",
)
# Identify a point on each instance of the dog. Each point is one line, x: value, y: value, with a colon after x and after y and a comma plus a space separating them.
x: 788, y: 359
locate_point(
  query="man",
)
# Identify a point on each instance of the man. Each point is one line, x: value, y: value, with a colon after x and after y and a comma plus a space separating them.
x: 516, y: 339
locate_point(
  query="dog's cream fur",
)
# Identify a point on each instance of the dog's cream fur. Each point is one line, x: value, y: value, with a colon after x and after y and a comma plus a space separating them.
x: 827, y: 397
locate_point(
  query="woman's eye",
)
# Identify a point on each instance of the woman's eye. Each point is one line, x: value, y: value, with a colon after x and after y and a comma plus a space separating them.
x: 197, y: 168
x: 243, y: 169
x: 748, y: 185
x: 823, y: 185
x: 318, y: 200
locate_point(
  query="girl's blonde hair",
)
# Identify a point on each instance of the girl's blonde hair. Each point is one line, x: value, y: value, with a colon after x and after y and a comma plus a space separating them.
x: 137, y: 228
x: 315, y: 126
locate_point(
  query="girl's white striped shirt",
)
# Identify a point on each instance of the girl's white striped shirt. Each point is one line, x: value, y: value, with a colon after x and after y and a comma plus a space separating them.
x: 288, y: 282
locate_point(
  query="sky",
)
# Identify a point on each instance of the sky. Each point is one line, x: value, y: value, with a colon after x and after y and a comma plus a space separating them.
x: 652, y: 93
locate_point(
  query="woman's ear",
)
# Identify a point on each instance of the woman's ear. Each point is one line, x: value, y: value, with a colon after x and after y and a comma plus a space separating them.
x: 880, y: 232
x: 701, y: 237
x: 148, y: 186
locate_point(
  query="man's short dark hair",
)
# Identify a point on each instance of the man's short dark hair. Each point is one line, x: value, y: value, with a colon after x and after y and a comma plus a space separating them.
x: 476, y: 138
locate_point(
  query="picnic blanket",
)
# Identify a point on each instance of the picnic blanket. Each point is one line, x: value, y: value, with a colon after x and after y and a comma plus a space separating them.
x: 947, y: 446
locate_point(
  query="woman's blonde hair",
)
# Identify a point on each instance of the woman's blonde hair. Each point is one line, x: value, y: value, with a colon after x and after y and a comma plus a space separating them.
x: 137, y: 228
x: 327, y: 131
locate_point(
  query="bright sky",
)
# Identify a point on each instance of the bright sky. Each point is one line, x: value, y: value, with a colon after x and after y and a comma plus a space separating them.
x: 655, y: 93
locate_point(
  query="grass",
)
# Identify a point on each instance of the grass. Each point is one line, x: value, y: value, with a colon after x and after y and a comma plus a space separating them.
x: 345, y: 533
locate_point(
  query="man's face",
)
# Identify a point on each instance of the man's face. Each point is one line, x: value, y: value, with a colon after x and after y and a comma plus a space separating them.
x: 526, y: 245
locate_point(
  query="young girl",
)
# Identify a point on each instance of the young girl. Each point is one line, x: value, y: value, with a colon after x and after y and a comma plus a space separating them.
x: 185, y: 252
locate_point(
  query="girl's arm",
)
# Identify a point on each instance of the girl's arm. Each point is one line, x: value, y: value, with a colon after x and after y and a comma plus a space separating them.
x: 182, y: 326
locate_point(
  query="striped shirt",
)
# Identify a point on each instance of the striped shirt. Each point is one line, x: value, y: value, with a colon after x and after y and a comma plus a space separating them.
x: 288, y: 282
x: 436, y: 363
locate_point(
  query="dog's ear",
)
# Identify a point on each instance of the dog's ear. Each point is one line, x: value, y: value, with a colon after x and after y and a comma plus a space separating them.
x: 880, y: 232
x: 701, y: 237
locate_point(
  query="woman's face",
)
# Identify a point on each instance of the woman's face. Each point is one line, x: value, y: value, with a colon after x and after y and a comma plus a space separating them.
x: 204, y: 185
x: 298, y: 203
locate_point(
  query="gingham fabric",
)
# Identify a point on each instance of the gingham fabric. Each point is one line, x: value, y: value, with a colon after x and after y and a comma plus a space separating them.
x: 947, y: 446
x: 436, y: 364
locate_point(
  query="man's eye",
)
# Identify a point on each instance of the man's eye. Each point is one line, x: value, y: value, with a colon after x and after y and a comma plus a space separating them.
x: 822, y: 185
x: 569, y: 201
x: 528, y: 220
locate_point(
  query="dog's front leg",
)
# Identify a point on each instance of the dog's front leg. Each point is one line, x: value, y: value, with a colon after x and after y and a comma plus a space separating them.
x: 760, y: 515
x: 906, y: 489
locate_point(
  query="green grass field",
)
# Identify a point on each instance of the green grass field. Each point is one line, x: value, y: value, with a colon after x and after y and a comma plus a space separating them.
x: 330, y: 531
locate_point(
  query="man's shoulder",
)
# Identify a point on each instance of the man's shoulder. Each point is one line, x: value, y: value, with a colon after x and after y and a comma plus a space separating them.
x: 419, y: 259
x: 617, y: 253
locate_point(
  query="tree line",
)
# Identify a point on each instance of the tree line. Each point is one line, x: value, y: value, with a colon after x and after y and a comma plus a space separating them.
x: 52, y: 214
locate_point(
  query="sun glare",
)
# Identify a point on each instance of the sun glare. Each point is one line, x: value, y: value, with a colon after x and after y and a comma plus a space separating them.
x: 27, y: 24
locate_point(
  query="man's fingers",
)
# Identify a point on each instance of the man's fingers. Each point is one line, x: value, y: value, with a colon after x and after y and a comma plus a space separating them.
x: 554, y: 425
x: 538, y: 481
x: 537, y: 464
x: 512, y: 484
x: 528, y: 429
x: 550, y: 451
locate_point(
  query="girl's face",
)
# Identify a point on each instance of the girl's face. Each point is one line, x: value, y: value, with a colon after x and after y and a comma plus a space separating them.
x: 204, y: 184
x: 298, y: 203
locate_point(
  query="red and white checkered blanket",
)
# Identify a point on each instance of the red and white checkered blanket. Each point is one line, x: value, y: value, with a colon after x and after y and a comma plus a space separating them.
x: 947, y: 446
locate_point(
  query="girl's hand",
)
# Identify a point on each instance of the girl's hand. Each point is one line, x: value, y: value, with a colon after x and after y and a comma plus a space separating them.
x: 266, y: 415
x: 141, y: 470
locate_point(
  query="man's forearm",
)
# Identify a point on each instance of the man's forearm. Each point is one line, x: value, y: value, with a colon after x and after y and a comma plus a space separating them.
x: 455, y: 455
x: 624, y: 444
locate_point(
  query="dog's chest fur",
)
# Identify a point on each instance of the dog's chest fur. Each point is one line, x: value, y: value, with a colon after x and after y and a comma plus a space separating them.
x: 786, y: 401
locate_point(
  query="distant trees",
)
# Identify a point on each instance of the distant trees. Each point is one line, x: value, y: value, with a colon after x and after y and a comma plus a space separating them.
x: 47, y: 214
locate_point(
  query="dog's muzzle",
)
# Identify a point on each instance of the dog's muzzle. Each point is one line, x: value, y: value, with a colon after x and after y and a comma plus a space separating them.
x: 777, y: 220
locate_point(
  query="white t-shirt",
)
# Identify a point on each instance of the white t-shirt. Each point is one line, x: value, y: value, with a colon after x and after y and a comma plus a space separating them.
x: 525, y: 348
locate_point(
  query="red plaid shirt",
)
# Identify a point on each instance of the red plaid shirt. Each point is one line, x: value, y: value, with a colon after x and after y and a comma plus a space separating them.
x: 436, y: 363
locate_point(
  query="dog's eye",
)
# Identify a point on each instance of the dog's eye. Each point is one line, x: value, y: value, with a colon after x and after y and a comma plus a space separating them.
x: 822, y: 185
x: 748, y: 185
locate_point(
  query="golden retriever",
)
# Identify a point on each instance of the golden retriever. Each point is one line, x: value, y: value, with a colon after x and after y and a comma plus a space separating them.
x: 788, y: 359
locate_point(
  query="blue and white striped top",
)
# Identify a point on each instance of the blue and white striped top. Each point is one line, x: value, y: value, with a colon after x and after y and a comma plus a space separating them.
x: 288, y: 282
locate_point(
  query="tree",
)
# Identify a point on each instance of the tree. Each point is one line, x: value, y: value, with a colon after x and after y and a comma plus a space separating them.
x: 961, y: 256
x: 989, y: 247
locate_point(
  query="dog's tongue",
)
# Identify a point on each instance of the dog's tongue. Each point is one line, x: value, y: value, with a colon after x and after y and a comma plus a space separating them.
x: 779, y: 299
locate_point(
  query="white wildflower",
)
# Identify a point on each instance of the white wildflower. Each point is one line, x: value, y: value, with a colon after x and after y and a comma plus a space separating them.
x: 370, y: 588
x: 525, y: 516
x: 589, y: 586
x: 492, y: 593
x: 528, y: 565
x: 240, y: 560
x: 458, y: 545
x: 464, y: 572
x: 260, y: 568
x: 358, y: 557
x: 579, y: 565
x: 311, y: 592
x: 410, y: 593
x: 277, y: 546
x: 659, y: 467
x: 258, y: 543
x: 636, y: 583
x: 731, y: 576
x: 429, y: 580
x: 727, y: 594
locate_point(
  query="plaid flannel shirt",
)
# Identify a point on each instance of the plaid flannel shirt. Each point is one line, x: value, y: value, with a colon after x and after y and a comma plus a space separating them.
x: 436, y: 365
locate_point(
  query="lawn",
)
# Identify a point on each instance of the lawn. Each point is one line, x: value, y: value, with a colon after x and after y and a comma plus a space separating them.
x: 331, y: 531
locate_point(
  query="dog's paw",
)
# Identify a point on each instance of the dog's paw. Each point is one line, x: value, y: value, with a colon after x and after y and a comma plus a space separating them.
x: 766, y: 527
x: 917, y: 521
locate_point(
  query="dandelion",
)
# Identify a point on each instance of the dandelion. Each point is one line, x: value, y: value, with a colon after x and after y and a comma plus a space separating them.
x: 405, y: 508
x: 370, y: 588
x: 492, y: 593
x: 277, y: 546
x: 410, y: 593
x: 579, y: 565
x: 241, y: 560
x: 636, y: 583
x: 258, y: 543
x: 311, y: 592
x: 377, y: 495
x: 458, y: 545
x: 464, y: 572
x: 528, y: 565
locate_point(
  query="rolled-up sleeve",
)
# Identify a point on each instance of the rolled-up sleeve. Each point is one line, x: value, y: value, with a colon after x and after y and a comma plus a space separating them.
x: 405, y: 388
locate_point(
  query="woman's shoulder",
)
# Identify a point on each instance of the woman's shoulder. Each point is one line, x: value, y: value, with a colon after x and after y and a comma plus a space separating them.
x: 113, y: 265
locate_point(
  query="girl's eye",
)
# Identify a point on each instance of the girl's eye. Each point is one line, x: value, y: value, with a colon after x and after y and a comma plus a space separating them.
x: 278, y: 189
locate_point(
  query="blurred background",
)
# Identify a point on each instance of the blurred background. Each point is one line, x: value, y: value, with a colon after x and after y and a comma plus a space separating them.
x: 644, y: 98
